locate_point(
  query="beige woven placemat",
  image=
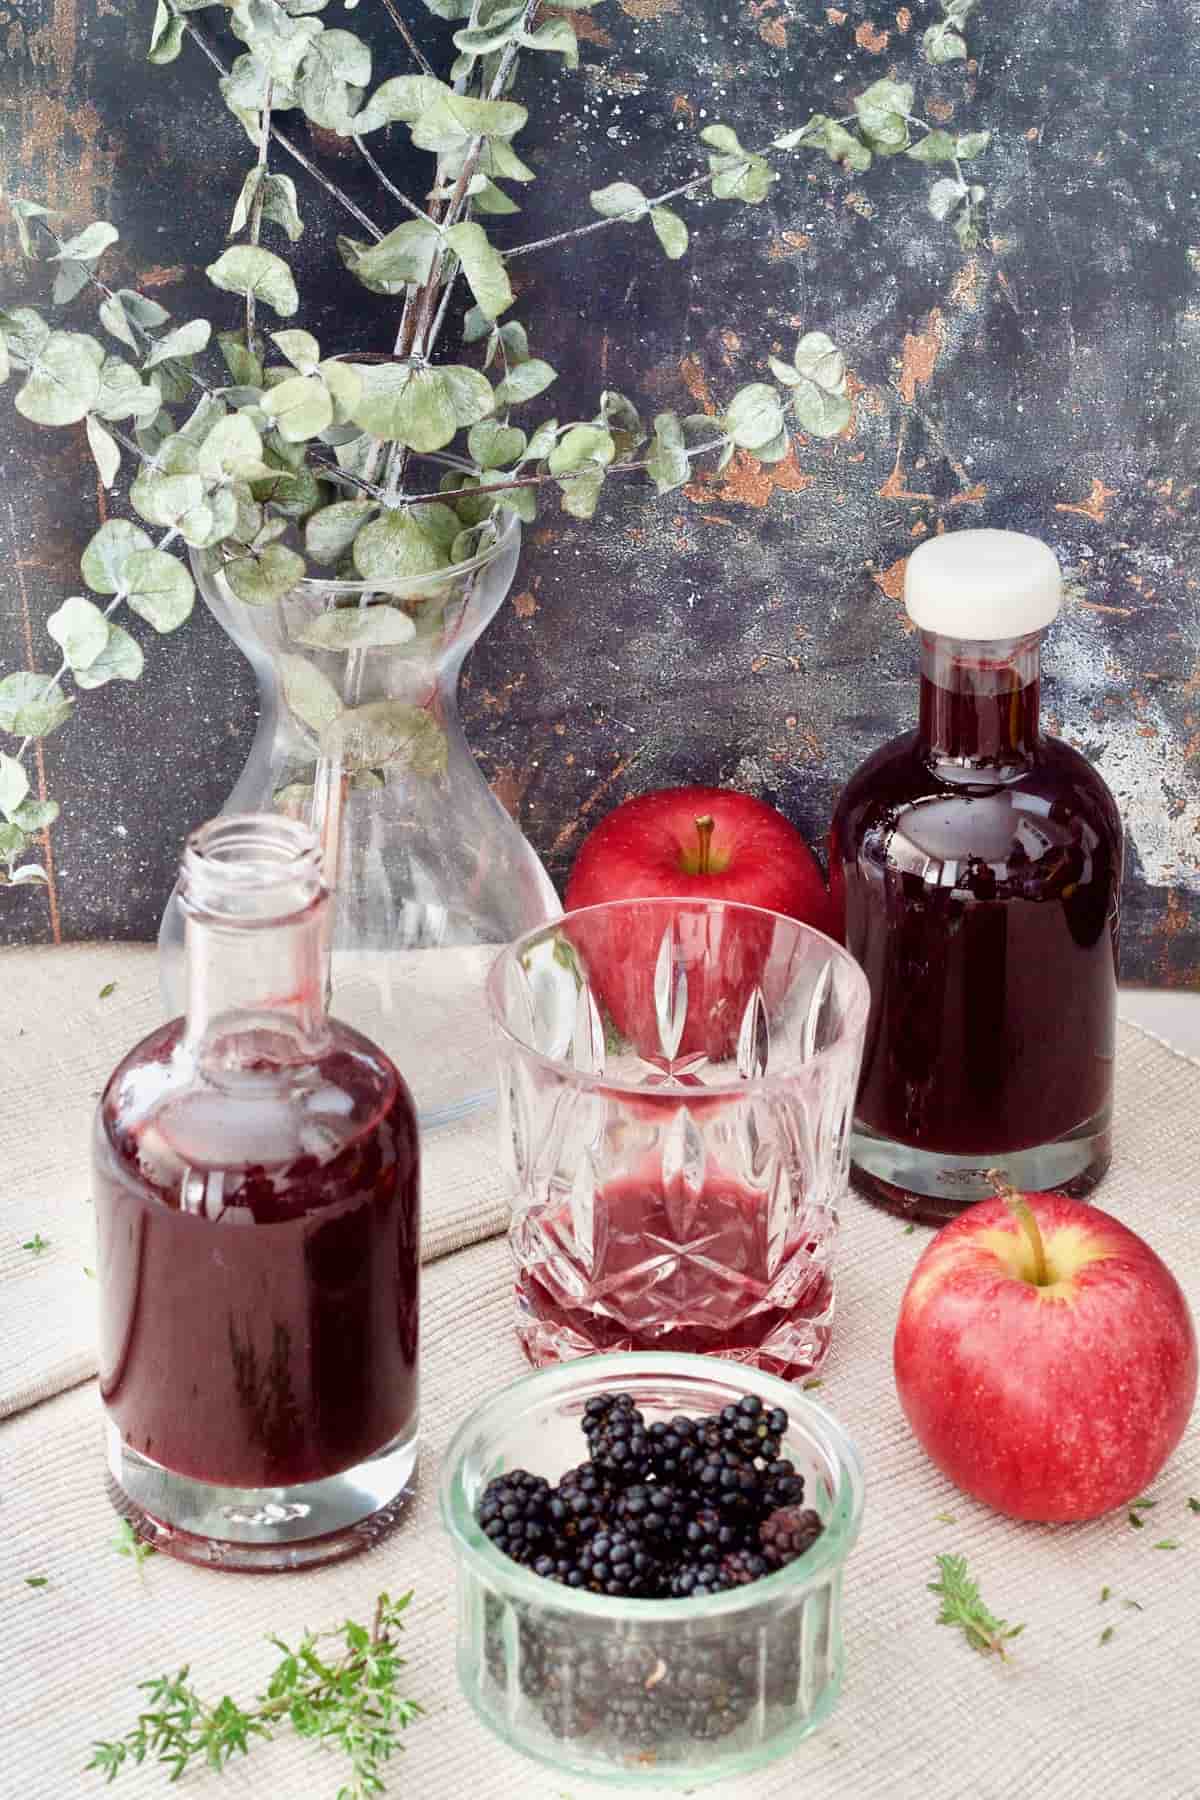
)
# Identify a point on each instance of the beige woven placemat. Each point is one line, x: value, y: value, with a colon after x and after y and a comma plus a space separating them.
x: 59, y: 1044
x: 922, y: 1715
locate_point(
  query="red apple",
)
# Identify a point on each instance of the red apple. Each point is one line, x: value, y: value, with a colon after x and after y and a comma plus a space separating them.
x: 696, y: 843
x: 705, y: 843
x: 1045, y: 1357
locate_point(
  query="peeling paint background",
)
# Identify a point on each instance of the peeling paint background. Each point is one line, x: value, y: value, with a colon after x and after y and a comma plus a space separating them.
x: 749, y: 630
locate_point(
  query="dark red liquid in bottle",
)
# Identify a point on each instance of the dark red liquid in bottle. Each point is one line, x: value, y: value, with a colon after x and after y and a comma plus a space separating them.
x: 258, y: 1261
x: 978, y: 863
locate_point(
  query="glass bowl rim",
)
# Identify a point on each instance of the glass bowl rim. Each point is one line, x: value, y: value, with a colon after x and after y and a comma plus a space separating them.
x: 411, y: 587
x: 853, y: 1026
x: 499, y: 1572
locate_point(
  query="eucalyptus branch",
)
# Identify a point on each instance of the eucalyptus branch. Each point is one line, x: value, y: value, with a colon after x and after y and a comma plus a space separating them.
x: 398, y: 20
x: 530, y: 481
x: 196, y: 33
x: 254, y: 224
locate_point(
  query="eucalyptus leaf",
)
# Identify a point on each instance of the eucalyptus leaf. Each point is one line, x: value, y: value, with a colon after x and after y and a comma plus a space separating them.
x: 344, y: 384
x: 14, y: 785
x: 293, y: 494
x: 22, y: 211
x: 934, y: 147
x: 470, y: 393
x: 386, y: 733
x: 356, y: 628
x: 163, y: 499
x: 310, y: 696
x: 25, y: 332
x: 581, y: 444
x: 113, y: 317
x: 620, y: 199
x: 36, y: 815
x: 232, y: 451
x: 87, y: 244
x: 490, y: 199
x: 401, y: 100
x: 542, y: 441
x: 300, y: 347
x: 393, y: 547
x: 123, y: 395
x: 482, y: 267
x: 166, y: 35
x: 31, y: 705
x: 243, y: 365
x: 330, y: 532
x: 404, y: 255
x: 184, y: 340
x: 337, y: 63
x: 246, y: 269
x: 405, y: 405
x: 452, y: 120
x: 818, y: 357
x: 841, y: 146
x: 942, y: 44
x: 667, y: 465
x: 105, y: 451
x: 525, y: 382
x: 741, y: 177
x: 279, y: 204
x: 262, y: 576
x: 63, y: 383
x: 819, y: 411
x: 670, y: 231
x: 106, y: 557
x: 120, y: 660
x: 944, y: 196
x: 883, y: 110
x: 504, y: 25
x: 146, y: 313
x: 754, y: 416
x: 581, y: 491
x: 299, y: 408
x: 555, y: 35
x: 71, y: 279
x: 28, y: 874
x: 495, y: 446
x: 160, y: 589
x: 12, y: 845
x: 521, y: 500
x: 498, y: 159
x: 970, y: 144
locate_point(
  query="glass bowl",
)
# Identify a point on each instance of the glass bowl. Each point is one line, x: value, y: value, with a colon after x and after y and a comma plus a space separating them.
x: 644, y: 1693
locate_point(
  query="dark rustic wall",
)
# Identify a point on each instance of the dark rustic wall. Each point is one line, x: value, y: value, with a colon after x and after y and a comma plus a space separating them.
x: 750, y: 631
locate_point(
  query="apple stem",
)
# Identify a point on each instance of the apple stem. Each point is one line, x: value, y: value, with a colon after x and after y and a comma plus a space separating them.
x: 1023, y: 1213
x: 704, y: 831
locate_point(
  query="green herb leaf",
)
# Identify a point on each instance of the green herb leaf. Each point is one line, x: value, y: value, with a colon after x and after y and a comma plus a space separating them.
x: 127, y: 1542
x: 1105, y: 1594
x: 1107, y: 1633
x: 1167, y: 1544
x: 37, y: 1243
x: 37, y: 1581
x: 1193, y: 1504
x: 962, y: 1607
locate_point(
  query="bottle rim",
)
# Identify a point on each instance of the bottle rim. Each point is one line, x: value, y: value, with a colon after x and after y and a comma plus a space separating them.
x: 251, y: 866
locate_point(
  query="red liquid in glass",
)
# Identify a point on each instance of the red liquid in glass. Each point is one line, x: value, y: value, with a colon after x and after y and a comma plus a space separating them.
x: 982, y: 902
x: 670, y: 1269
x: 259, y: 1262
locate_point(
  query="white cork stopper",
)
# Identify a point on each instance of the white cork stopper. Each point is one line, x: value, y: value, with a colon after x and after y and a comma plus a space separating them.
x: 982, y: 584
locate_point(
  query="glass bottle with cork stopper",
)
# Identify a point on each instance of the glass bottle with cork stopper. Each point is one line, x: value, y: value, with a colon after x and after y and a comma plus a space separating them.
x: 255, y: 1176
x: 977, y: 864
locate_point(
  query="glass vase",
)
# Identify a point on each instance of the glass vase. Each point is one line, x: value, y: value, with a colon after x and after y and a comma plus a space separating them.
x: 365, y: 744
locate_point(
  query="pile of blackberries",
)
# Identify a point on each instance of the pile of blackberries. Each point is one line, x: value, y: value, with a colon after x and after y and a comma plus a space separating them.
x: 664, y: 1511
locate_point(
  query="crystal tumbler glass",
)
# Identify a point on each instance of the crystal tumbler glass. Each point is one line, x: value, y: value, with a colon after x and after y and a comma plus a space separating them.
x: 676, y: 1085
x: 647, y: 1693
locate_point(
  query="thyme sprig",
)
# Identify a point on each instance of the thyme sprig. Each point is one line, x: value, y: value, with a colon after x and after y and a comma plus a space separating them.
x: 961, y: 1606
x: 345, y: 1700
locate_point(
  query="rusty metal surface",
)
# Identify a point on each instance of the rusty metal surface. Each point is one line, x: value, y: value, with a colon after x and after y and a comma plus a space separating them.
x: 748, y: 631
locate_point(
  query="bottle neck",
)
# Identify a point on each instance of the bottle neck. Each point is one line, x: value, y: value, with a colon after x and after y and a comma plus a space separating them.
x: 256, y: 920
x: 980, y: 699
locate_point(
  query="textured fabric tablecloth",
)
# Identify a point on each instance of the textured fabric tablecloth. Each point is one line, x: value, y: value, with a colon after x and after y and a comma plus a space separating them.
x: 921, y: 1715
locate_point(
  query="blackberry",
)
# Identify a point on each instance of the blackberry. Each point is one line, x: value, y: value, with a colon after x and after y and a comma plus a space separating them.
x: 707, y: 1694
x: 782, y: 1486
x: 747, y: 1426
x: 787, y: 1533
x: 674, y: 1447
x: 724, y: 1479
x: 709, y: 1535
x: 569, y: 1715
x: 741, y: 1566
x: 513, y: 1513
x: 616, y: 1435
x: 692, y: 1579
x: 580, y: 1504
x: 618, y: 1563
x: 657, y: 1511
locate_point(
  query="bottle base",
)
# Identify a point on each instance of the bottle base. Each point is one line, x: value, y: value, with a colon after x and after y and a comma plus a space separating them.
x: 934, y: 1187
x: 267, y: 1528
